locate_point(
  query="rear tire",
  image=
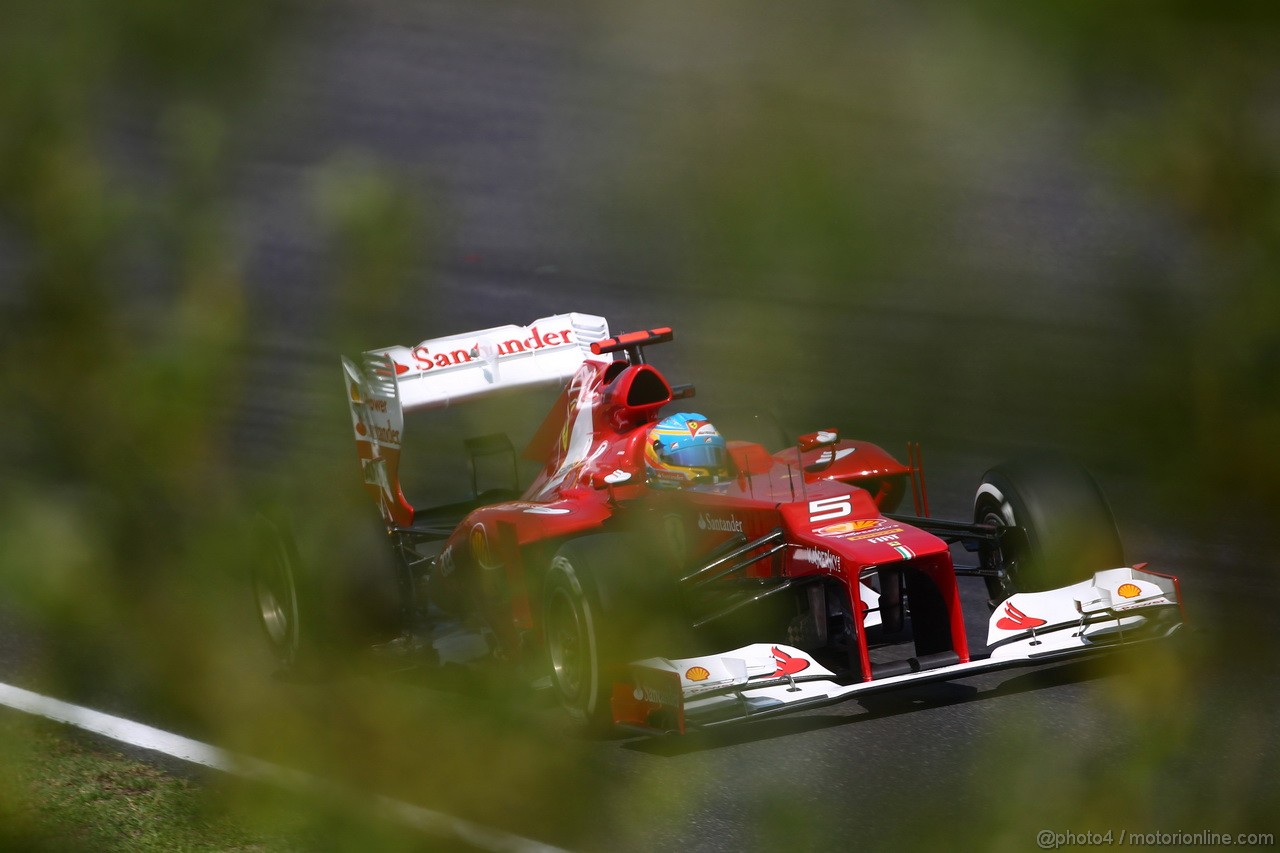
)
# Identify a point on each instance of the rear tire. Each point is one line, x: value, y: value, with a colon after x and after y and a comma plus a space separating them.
x: 1067, y: 529
x: 312, y: 619
x: 283, y: 602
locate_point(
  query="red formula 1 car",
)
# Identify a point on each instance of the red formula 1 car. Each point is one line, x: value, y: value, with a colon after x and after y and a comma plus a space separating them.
x: 647, y: 543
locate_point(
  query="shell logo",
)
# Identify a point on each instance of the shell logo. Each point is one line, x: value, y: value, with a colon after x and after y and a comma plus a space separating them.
x: 842, y: 527
x: 697, y: 673
x: 1129, y: 590
x: 480, y: 548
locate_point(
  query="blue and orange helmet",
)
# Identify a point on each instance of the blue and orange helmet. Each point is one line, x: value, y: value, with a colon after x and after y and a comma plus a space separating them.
x: 684, y: 449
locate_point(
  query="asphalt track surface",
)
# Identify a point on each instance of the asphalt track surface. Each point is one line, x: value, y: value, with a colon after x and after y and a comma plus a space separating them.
x: 515, y: 131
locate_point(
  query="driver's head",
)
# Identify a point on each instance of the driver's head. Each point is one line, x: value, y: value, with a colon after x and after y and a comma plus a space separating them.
x: 684, y: 449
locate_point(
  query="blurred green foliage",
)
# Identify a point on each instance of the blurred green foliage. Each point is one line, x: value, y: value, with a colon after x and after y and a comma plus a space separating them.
x: 383, y: 237
x: 1179, y: 104
x: 815, y: 183
x: 126, y: 314
x: 866, y: 178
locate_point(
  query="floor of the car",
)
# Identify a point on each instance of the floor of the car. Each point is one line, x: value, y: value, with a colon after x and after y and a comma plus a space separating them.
x: 441, y: 521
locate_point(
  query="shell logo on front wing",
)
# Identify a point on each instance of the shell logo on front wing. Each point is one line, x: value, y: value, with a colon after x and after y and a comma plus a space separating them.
x: 697, y: 673
x: 1129, y: 590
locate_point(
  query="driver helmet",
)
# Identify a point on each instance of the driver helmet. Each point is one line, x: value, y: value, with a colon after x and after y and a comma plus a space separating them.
x: 684, y: 449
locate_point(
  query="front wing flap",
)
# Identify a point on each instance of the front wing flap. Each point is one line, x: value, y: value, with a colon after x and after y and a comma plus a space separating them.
x: 1115, y: 608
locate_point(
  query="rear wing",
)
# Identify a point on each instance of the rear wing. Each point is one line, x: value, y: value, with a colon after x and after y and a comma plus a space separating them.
x: 383, y: 384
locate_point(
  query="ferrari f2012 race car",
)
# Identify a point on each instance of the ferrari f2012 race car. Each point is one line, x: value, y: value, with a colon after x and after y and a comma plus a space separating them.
x: 664, y: 576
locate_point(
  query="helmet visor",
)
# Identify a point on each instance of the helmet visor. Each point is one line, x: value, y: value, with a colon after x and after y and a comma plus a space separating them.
x: 696, y: 456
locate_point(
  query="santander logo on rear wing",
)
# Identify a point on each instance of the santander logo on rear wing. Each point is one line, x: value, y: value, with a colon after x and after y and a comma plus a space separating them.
x: 383, y: 384
x: 441, y: 371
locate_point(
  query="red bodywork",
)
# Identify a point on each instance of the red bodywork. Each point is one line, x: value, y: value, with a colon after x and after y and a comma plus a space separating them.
x: 827, y: 501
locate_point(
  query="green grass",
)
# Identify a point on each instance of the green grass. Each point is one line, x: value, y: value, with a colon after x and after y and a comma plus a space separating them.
x: 60, y: 791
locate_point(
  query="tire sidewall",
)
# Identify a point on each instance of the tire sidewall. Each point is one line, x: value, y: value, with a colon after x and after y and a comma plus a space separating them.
x: 328, y: 616
x: 563, y: 577
x: 1068, y: 528
x: 275, y: 570
x: 991, y: 500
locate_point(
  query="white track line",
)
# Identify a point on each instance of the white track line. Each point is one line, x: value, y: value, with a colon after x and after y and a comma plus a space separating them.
x: 177, y: 746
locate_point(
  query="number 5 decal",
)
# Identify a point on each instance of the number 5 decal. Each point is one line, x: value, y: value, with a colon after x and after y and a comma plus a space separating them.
x: 825, y: 509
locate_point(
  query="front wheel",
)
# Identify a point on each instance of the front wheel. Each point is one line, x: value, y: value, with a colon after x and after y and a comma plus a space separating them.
x: 1057, y: 528
x: 572, y: 611
x: 606, y: 601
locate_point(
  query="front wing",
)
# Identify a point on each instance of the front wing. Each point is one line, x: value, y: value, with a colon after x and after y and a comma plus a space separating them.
x: 1114, y: 609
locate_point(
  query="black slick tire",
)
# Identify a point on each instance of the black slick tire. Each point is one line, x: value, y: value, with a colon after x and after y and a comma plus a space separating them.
x: 1064, y: 527
x: 605, y: 602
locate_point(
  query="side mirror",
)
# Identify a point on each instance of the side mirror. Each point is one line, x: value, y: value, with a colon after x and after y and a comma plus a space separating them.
x: 814, y: 440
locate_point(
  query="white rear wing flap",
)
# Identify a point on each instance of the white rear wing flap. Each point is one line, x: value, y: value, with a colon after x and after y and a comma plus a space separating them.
x: 443, y: 371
